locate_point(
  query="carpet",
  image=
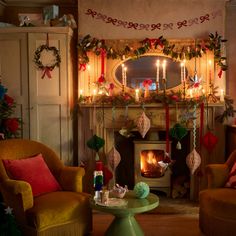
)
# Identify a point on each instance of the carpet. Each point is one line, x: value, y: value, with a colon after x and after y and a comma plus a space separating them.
x: 176, y: 206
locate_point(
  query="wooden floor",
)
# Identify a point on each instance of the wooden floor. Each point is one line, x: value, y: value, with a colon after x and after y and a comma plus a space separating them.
x: 154, y: 224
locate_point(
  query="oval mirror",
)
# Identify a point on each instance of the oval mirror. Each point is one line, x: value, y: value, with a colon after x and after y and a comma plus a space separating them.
x: 145, y: 67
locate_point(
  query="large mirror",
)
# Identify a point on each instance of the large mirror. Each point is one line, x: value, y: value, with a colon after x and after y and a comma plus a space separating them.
x: 145, y: 67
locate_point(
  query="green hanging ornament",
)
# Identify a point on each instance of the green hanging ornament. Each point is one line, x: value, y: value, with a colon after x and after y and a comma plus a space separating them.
x: 95, y: 143
x: 178, y: 132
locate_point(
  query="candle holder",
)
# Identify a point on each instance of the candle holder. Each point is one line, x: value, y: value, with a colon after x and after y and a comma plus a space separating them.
x: 157, y: 87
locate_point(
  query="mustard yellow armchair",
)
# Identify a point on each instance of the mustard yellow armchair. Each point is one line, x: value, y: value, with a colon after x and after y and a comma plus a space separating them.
x: 64, y: 212
x: 217, y: 204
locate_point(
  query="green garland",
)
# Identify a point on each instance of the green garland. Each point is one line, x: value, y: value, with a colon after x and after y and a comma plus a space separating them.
x: 89, y: 44
x: 37, y: 57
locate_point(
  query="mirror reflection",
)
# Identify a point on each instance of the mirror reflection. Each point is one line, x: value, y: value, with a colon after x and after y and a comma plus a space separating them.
x: 146, y: 67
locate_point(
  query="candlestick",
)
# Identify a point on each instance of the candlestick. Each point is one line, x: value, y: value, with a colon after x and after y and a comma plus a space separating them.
x: 210, y: 72
x: 157, y: 75
x: 164, y: 75
x: 184, y: 70
x: 136, y: 95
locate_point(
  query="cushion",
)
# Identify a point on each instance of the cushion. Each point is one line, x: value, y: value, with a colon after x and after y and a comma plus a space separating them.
x: 231, y: 182
x: 35, y: 171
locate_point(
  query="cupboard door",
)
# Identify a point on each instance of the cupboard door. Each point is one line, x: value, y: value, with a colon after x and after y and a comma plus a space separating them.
x: 14, y: 74
x: 49, y: 98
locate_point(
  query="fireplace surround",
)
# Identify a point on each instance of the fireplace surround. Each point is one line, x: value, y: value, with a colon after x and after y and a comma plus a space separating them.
x: 97, y: 119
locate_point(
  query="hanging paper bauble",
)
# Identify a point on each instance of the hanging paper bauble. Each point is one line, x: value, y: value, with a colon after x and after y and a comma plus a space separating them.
x: 193, y: 161
x: 143, y: 124
x: 178, y: 132
x: 95, y: 143
x: 113, y: 158
x: 141, y: 190
x: 209, y: 141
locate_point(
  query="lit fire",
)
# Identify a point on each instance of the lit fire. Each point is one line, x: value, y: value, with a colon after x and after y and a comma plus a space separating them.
x: 149, y: 163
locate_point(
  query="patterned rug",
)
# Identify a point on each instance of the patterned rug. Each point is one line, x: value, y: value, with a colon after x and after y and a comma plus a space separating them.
x: 176, y: 206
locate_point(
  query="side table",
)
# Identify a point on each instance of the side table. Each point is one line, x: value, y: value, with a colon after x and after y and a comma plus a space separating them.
x: 124, y: 222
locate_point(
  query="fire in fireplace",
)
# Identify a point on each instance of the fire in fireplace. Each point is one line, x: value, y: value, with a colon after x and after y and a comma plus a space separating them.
x: 150, y: 166
x: 151, y: 163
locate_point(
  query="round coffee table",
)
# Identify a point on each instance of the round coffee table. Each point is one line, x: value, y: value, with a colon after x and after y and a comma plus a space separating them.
x: 124, y: 222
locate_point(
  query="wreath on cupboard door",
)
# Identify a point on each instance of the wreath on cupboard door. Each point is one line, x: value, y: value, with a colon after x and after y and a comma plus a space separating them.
x: 46, y: 58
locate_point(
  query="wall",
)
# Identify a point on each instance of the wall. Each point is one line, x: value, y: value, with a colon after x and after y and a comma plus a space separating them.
x: 135, y: 19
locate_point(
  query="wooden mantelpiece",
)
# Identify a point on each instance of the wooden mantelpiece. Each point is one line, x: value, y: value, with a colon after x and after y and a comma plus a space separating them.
x: 103, y: 121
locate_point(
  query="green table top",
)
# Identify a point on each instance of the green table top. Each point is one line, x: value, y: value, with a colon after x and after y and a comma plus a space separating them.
x: 134, y: 205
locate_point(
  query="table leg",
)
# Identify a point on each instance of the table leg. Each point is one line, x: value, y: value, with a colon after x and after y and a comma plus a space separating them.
x: 124, y: 225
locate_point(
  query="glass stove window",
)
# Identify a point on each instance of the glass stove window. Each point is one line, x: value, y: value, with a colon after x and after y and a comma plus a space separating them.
x: 150, y: 168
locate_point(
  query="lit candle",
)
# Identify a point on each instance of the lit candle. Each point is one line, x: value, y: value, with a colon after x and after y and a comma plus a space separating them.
x: 136, y: 95
x: 94, y: 94
x: 125, y: 76
x: 81, y: 92
x: 222, y: 95
x: 158, y: 71
x: 184, y: 71
x: 210, y: 71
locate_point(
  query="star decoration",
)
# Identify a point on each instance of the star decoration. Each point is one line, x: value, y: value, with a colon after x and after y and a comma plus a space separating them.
x: 8, y: 210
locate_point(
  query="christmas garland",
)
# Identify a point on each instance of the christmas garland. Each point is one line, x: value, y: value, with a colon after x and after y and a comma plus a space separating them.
x: 47, y: 68
x: 88, y: 44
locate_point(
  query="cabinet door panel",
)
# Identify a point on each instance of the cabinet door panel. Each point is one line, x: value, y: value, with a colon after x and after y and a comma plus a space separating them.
x: 14, y: 73
x: 49, y: 97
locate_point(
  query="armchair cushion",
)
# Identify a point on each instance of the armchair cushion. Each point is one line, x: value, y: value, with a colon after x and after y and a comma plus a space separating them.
x: 58, y: 208
x: 35, y: 171
x: 231, y: 182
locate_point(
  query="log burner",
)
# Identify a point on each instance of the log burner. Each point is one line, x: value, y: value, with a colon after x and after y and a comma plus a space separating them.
x: 150, y: 166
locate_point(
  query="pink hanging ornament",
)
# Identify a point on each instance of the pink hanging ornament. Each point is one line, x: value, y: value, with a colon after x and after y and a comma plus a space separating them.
x: 193, y: 161
x: 113, y: 158
x: 143, y: 124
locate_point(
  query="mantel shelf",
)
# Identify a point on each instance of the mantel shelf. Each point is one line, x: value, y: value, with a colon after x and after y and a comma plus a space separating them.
x: 150, y: 105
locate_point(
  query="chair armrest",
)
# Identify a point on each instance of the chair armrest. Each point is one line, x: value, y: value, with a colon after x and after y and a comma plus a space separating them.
x: 71, y: 178
x: 18, y: 195
x: 217, y: 175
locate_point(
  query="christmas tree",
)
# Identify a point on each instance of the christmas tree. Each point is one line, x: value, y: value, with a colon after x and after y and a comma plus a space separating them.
x: 8, y: 226
x: 9, y: 126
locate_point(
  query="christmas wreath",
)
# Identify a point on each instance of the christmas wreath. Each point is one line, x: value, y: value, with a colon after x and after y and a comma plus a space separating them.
x: 49, y: 66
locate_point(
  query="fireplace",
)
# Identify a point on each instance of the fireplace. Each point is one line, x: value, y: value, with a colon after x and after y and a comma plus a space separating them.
x: 150, y: 166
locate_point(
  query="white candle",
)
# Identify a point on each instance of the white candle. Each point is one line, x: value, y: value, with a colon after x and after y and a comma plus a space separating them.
x: 164, y: 69
x: 94, y: 94
x: 222, y: 95
x: 81, y: 92
x: 184, y: 71
x: 158, y: 71
x: 210, y: 71
x: 125, y: 76
x: 136, y: 95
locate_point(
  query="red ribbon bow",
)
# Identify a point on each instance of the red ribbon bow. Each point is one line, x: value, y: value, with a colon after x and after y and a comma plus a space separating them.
x: 46, y: 71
